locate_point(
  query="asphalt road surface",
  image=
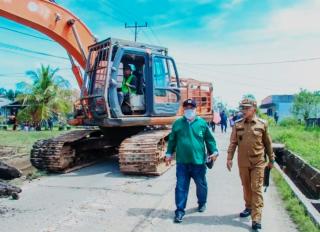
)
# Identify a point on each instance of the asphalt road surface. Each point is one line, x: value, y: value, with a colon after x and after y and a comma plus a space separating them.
x: 100, y: 198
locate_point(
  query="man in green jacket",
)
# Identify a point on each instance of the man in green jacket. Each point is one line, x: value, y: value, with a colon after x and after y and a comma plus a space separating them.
x: 191, y: 140
x: 128, y: 85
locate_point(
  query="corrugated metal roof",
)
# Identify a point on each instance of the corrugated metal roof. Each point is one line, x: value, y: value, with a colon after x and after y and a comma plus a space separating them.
x: 4, y: 101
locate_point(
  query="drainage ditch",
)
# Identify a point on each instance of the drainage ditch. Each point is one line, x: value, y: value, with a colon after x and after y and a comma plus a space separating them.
x: 305, y: 178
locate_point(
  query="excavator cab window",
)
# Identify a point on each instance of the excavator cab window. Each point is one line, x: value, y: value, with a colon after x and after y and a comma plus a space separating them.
x: 132, y: 97
x: 93, y: 92
x: 166, y: 96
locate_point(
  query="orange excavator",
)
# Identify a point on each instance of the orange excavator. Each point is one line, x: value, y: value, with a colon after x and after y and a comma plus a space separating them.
x: 136, y: 126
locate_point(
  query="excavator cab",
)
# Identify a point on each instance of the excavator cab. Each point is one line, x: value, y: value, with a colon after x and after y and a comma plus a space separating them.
x: 154, y: 88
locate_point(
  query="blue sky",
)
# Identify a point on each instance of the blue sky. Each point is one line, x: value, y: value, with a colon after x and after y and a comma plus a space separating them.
x: 217, y: 33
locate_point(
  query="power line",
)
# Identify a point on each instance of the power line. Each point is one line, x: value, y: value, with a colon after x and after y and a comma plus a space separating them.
x: 209, y: 75
x: 154, y: 35
x: 30, y: 56
x: 256, y: 63
x: 122, y: 10
x: 136, y: 26
x: 26, y: 34
x: 17, y: 48
x: 24, y: 74
x: 147, y: 37
x: 125, y: 14
x: 236, y: 74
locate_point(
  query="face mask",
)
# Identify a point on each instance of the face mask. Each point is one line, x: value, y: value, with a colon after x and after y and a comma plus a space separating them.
x: 190, y: 114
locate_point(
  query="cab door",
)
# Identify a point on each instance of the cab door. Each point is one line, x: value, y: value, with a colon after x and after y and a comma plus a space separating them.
x: 165, y: 83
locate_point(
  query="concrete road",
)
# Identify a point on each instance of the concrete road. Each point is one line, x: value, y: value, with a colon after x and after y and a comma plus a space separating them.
x: 100, y: 198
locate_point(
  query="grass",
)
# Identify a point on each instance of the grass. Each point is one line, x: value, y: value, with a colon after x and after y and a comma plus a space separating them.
x: 295, y: 209
x: 25, y: 139
x: 35, y: 174
x: 304, y: 142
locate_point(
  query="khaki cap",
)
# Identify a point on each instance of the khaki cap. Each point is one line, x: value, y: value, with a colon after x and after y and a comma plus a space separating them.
x: 248, y: 102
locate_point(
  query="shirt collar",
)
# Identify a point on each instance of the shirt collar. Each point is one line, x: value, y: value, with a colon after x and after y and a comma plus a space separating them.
x: 254, y: 119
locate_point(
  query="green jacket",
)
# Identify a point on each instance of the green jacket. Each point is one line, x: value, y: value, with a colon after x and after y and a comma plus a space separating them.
x: 190, y: 141
x: 125, y: 88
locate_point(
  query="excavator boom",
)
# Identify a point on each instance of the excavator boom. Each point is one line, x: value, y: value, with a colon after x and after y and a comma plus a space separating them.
x: 54, y: 21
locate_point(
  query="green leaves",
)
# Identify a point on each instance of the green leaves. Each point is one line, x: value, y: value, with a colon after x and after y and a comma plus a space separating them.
x: 48, y: 96
x: 306, y: 104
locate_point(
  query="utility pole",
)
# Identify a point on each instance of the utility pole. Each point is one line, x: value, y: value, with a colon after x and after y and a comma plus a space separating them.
x: 136, y: 26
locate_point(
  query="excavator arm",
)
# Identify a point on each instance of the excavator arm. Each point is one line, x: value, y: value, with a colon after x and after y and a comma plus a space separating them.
x: 56, y: 22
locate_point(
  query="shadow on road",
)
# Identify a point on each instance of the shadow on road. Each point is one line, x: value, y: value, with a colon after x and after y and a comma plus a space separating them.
x: 229, y: 220
x: 192, y: 217
x: 109, y: 167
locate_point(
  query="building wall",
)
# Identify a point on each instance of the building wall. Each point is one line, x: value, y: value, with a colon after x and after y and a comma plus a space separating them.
x: 284, y: 110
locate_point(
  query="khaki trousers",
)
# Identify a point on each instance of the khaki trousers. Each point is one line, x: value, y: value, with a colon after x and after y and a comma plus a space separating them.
x: 252, y: 182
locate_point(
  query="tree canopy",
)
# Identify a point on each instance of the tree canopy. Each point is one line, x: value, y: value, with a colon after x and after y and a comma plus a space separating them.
x: 48, y: 95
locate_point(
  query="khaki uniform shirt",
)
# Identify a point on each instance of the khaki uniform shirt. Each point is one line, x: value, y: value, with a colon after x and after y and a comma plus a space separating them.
x: 253, y: 142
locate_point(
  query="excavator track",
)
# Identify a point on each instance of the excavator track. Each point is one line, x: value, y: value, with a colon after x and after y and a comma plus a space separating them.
x: 67, y: 151
x: 144, y: 153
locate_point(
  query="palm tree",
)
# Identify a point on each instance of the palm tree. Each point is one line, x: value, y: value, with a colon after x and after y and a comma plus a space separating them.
x: 48, y: 95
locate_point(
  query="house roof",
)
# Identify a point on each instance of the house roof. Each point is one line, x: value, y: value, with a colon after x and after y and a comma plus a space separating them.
x: 274, y: 99
x: 4, y: 101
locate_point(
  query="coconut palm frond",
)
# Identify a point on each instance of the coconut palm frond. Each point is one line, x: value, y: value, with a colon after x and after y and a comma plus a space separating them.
x: 47, y: 96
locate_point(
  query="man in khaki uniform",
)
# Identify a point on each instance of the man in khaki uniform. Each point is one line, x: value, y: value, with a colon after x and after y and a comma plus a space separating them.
x: 250, y: 135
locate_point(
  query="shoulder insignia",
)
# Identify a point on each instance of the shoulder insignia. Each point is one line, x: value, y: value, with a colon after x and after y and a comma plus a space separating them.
x: 262, y: 120
x: 239, y: 120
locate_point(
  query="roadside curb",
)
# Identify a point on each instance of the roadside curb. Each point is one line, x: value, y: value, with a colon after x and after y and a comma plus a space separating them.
x: 312, y: 212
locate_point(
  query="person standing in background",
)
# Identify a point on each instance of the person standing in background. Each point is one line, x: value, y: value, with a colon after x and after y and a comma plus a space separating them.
x: 276, y: 117
x: 223, y: 122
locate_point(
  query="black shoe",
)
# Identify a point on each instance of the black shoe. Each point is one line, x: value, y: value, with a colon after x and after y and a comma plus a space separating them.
x: 202, y: 208
x: 178, y: 218
x: 256, y: 226
x: 245, y: 213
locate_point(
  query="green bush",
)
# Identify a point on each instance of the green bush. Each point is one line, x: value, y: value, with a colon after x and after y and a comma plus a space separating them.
x: 270, y: 120
x: 302, y: 141
x: 289, y: 122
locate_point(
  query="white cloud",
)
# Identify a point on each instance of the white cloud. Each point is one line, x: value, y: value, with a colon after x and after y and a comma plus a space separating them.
x: 231, y: 4
x: 290, y: 33
x: 301, y: 19
x: 170, y: 24
x: 214, y: 22
x: 203, y: 1
x: 194, y: 1
x: 296, y: 21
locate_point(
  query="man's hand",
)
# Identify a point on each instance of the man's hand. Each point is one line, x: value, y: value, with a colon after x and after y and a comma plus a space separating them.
x: 229, y: 165
x: 270, y: 165
x: 168, y: 160
x: 213, y: 157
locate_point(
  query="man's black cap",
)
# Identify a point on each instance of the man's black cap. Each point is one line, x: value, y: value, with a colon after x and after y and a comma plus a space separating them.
x: 189, y: 102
